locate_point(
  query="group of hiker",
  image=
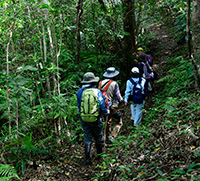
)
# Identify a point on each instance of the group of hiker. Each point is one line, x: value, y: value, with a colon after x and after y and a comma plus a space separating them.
x: 96, y: 104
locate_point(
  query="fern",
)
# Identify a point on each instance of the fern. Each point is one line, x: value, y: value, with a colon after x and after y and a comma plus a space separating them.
x: 7, y: 172
x: 166, y: 78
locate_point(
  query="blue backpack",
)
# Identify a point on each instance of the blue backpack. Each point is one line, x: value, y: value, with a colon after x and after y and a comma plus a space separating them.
x: 137, y: 92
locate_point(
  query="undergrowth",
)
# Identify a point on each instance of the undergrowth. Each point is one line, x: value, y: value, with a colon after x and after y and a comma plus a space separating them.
x: 166, y: 146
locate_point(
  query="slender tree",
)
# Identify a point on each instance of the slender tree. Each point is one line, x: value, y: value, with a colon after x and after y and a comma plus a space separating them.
x: 188, y: 28
x: 7, y: 63
x: 196, y: 41
x: 78, y: 30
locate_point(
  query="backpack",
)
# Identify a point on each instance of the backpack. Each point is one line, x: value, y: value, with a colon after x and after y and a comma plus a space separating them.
x: 148, y: 72
x: 137, y: 97
x: 89, y: 105
x: 103, y: 91
x: 150, y: 59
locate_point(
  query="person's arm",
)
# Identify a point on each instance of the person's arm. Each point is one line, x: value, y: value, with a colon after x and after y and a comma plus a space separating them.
x: 117, y: 93
x: 128, y: 90
x: 79, y: 96
x: 145, y: 87
x: 140, y: 67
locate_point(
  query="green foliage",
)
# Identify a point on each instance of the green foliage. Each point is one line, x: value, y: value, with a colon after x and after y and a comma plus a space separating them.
x: 172, y: 108
x: 176, y: 174
x: 23, y: 149
x: 7, y: 172
x: 180, y: 78
x: 42, y: 81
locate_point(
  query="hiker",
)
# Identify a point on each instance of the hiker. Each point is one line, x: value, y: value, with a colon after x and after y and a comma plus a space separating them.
x: 140, y: 50
x: 136, y: 91
x: 146, y: 71
x: 114, y: 98
x: 149, y: 58
x: 91, y: 106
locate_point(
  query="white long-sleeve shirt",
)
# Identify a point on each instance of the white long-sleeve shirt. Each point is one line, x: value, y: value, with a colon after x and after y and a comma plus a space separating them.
x: 130, y: 85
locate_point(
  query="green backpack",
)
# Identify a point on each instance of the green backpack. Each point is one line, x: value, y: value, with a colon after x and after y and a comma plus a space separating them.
x: 89, y: 105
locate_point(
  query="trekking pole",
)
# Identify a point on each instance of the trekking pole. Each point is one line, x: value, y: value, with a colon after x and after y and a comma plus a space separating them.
x: 105, y: 127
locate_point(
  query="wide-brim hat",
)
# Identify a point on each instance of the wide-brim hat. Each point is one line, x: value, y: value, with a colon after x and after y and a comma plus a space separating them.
x: 111, y: 72
x: 89, y: 78
x: 135, y: 70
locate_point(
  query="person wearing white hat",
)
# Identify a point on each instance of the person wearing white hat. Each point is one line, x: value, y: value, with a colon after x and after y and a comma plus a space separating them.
x: 136, y: 91
x: 91, y: 106
x: 114, y: 98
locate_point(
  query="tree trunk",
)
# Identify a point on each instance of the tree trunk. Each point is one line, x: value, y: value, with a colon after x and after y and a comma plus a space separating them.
x: 78, y: 30
x: 129, y: 29
x: 188, y: 28
x: 196, y: 41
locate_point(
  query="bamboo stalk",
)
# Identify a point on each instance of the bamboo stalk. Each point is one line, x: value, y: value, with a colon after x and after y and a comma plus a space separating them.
x: 52, y: 55
x: 45, y: 54
x: 7, y: 94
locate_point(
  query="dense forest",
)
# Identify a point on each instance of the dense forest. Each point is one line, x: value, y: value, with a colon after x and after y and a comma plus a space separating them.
x: 47, y: 46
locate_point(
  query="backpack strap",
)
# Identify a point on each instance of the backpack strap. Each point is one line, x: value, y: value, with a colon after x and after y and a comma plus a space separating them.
x: 134, y: 83
x: 108, y: 84
x: 140, y: 80
x: 100, y: 85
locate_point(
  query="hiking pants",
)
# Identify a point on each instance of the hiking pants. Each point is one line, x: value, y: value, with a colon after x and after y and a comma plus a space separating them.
x: 93, y: 130
x: 136, y: 111
x: 115, y: 122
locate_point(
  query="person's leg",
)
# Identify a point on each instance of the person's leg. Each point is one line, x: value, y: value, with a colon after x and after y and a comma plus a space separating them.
x: 98, y: 136
x: 138, y: 116
x: 109, y: 124
x: 133, y: 110
x: 108, y: 127
x: 88, y: 141
x: 117, y: 122
x: 117, y: 126
x: 87, y: 153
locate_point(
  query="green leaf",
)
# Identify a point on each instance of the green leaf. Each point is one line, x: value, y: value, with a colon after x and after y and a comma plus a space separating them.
x: 7, y: 172
x: 179, y: 171
x: 57, y: 115
x: 193, y: 165
x: 159, y: 172
x: 23, y: 166
x: 162, y: 179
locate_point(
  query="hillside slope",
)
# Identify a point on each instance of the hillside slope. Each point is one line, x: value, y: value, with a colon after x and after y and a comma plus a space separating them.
x: 162, y: 147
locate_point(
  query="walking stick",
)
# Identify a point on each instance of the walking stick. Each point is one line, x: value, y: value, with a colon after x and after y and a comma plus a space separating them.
x: 105, y: 133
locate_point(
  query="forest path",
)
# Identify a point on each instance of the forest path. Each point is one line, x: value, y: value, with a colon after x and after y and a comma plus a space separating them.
x: 71, y: 162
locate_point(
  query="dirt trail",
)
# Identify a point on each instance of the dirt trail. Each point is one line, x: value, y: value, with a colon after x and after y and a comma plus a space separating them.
x: 162, y: 49
x: 71, y: 165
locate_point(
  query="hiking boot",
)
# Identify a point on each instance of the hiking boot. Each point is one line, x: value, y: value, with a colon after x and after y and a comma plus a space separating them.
x: 99, y: 150
x: 87, y: 154
x: 109, y: 140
